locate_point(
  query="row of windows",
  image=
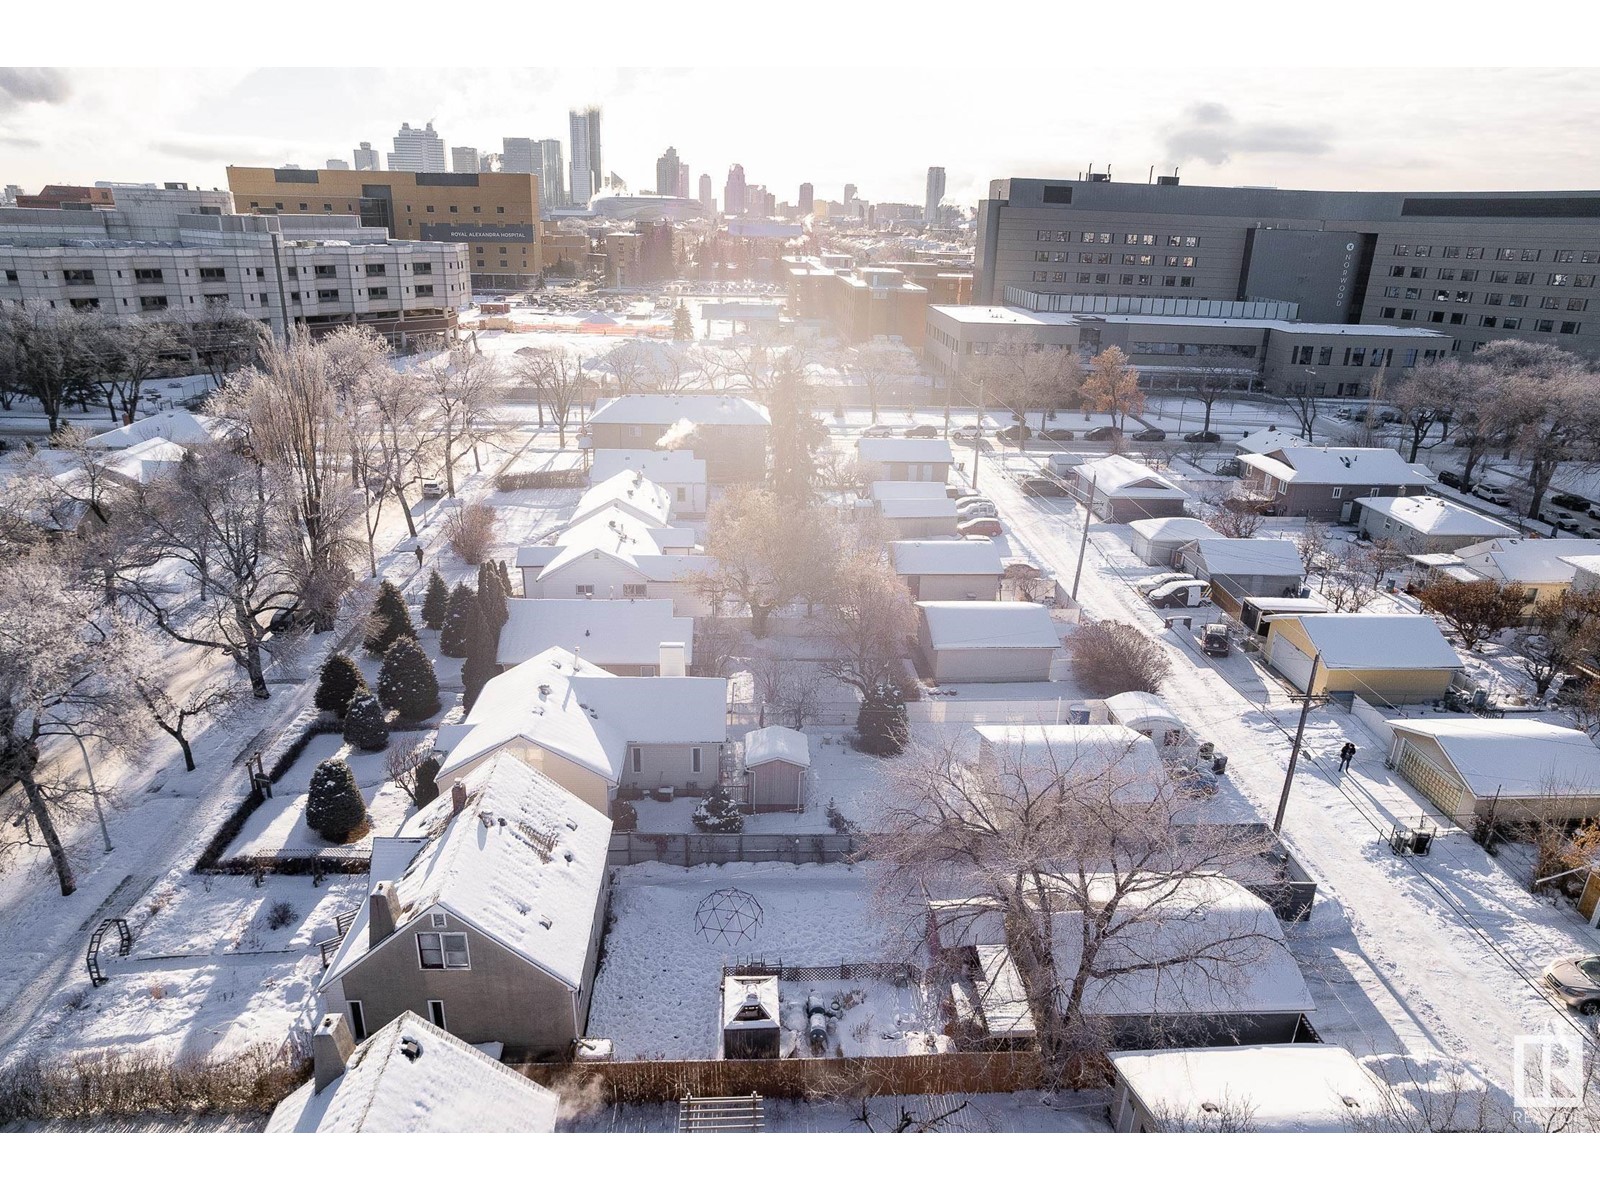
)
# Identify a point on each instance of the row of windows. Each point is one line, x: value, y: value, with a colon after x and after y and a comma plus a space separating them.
x: 1354, y: 356
x: 218, y: 274
x: 1496, y: 299
x: 1504, y: 254
x: 159, y: 303
x: 1104, y: 277
x: 350, y: 208
x: 1438, y: 317
x: 1194, y: 349
x: 1524, y: 278
x: 1125, y: 239
x: 1105, y: 258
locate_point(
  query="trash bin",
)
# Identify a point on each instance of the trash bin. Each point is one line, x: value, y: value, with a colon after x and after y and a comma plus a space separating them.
x: 1206, y: 748
x: 1219, y: 763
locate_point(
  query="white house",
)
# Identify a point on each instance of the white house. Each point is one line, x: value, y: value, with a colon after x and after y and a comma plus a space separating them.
x: 962, y: 641
x: 949, y: 570
x: 728, y: 433
x: 1523, y: 769
x: 594, y: 732
x: 1300, y: 1087
x: 1324, y: 482
x: 1426, y: 524
x: 410, y: 1077
x: 1123, y: 490
x: 615, y: 556
x: 678, y: 471
x: 625, y: 637
x: 916, y: 459
x: 626, y: 492
x: 1539, y: 566
x: 177, y: 425
x: 1264, y: 441
x: 484, y: 914
x: 1157, y: 540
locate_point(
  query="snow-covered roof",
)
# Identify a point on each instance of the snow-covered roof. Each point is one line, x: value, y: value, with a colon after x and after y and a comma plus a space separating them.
x: 1526, y: 560
x: 145, y: 461
x: 669, y: 468
x: 904, y: 450
x: 754, y: 992
x: 1135, y: 709
x: 1122, y: 759
x: 436, y: 1083
x: 1249, y: 556
x: 1115, y: 475
x: 630, y: 492
x: 616, y: 632
x: 179, y: 425
x: 994, y: 314
x: 1299, y: 1087
x: 1264, y: 441
x: 1200, y: 917
x: 1356, y: 641
x: 1171, y: 529
x: 523, y: 864
x: 618, y: 535
x: 1436, y: 516
x: 988, y: 624
x: 1589, y: 564
x: 776, y: 743
x: 1522, y: 758
x: 909, y: 507
x: 901, y: 489
x: 949, y: 557
x: 536, y: 556
x: 668, y: 410
x: 1365, y: 465
x: 587, y: 715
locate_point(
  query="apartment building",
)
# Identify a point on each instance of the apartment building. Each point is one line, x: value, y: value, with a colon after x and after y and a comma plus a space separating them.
x: 1474, y: 266
x: 316, y: 272
x: 495, y: 215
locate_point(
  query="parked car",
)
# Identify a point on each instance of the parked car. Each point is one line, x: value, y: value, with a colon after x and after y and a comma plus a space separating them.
x: 1492, y: 492
x: 877, y: 431
x: 432, y: 489
x: 1150, y: 435
x: 1577, y: 982
x: 923, y: 431
x: 1055, y: 435
x: 980, y: 527
x: 959, y: 491
x: 1203, y: 435
x: 1042, y: 485
x: 1568, y: 523
x: 1568, y: 501
x: 967, y: 434
x: 1388, y: 416
x: 1015, y: 435
x: 968, y: 496
x: 1101, y: 433
x: 984, y: 508
x: 1184, y: 593
x: 1451, y: 478
x: 1214, y: 640
x: 1147, y: 586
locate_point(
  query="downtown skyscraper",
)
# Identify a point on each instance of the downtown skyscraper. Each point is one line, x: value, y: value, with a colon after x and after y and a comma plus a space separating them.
x: 935, y: 197
x: 587, y: 175
x: 667, y: 172
x: 417, y: 150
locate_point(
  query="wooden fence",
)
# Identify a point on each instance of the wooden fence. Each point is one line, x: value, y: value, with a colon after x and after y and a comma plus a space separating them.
x: 657, y: 1082
x: 699, y: 849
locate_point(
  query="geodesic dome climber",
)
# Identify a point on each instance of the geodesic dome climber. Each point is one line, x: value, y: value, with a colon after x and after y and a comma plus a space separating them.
x: 729, y: 916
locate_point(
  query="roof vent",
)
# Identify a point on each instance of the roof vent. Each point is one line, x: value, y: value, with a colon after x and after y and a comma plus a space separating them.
x: 410, y: 1048
x: 547, y: 921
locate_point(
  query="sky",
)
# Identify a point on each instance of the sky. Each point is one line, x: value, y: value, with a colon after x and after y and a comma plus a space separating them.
x: 787, y: 122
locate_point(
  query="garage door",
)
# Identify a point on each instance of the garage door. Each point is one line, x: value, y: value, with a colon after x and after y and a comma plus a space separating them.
x: 1287, y: 659
x: 1422, y: 773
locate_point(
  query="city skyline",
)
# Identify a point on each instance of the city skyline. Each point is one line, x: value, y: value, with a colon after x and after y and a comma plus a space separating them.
x: 72, y: 125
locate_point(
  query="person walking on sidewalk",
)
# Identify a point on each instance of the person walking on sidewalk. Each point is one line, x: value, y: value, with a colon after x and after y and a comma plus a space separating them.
x: 1346, y: 753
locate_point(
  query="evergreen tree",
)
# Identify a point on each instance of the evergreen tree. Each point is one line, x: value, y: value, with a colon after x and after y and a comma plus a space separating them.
x: 427, y: 784
x: 717, y: 813
x: 881, y: 725
x: 437, y: 601
x: 682, y: 326
x: 795, y: 436
x: 334, y: 807
x: 505, y: 578
x: 459, y: 618
x: 364, y: 725
x: 480, y: 667
x: 390, y: 620
x: 406, y: 682
x: 340, y: 680
x: 492, y: 600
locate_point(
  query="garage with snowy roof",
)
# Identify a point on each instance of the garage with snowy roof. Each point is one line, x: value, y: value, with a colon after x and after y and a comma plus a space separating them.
x: 949, y: 569
x: 1383, y: 658
x: 1525, y: 769
x: 1157, y: 540
x: 1123, y: 490
x: 962, y: 641
x: 1240, y: 567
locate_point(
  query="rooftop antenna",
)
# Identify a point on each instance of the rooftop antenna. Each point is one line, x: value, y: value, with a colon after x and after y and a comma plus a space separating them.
x: 1152, y: 176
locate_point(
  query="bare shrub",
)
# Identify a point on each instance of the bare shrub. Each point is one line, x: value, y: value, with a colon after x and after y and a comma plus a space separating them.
x: 1110, y: 657
x: 281, y: 915
x: 471, y: 530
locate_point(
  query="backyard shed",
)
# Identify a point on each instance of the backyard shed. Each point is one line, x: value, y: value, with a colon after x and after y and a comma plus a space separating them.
x: 1240, y: 567
x: 1427, y: 524
x: 1157, y: 540
x: 918, y: 516
x: 750, y: 1012
x: 775, y: 763
x: 962, y: 641
x: 1524, y: 769
x: 1144, y: 713
x: 1384, y: 659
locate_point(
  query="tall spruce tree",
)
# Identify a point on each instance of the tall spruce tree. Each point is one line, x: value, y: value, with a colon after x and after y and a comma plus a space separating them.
x: 390, y: 620
x: 480, y: 667
x: 334, y: 806
x: 340, y: 680
x: 436, y: 602
x: 407, y: 683
x: 460, y: 616
x: 364, y: 725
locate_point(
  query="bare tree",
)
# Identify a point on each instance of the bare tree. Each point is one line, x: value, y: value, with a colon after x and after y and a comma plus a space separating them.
x: 1110, y: 657
x: 1213, y: 375
x: 717, y: 641
x: 1427, y: 399
x: 172, y: 711
x: 1112, y: 386
x: 1090, y: 870
x: 1312, y: 543
x: 557, y: 378
x: 791, y: 690
x: 222, y: 340
x: 466, y: 386
x: 1562, y: 631
x: 1474, y: 610
x: 868, y: 622
x: 1551, y: 401
x: 1305, y: 407
x: 136, y: 350
x: 767, y: 554
x: 1347, y: 585
x: 401, y: 760
x: 55, y: 356
x: 1023, y: 377
x: 881, y: 366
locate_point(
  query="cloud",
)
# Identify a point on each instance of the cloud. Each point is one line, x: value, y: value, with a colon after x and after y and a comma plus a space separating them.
x: 17, y: 140
x: 1211, y: 133
x: 32, y: 85
x: 197, y: 148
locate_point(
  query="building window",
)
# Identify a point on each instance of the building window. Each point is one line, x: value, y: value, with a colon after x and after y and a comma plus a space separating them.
x: 1499, y: 276
x: 152, y: 302
x: 327, y: 293
x: 324, y: 271
x: 1408, y: 314
x: 1570, y: 327
x: 1530, y: 256
x: 1517, y: 301
x: 1577, y: 305
x: 1436, y: 317
x: 1504, y: 255
x: 1084, y: 277
x: 1397, y: 271
x: 1447, y: 273
x: 1127, y: 281
x: 1494, y: 298
x: 1487, y: 322
x: 637, y: 591
x: 1408, y: 358
x: 477, y: 208
x: 694, y: 759
x: 1336, y: 493
x: 1386, y: 313
x: 424, y: 289
x: 1474, y: 251
x: 637, y: 755
x: 358, y: 1021
x: 147, y: 274
x: 423, y: 268
x: 1325, y: 356
x: 378, y: 293
x: 1451, y: 252
x: 436, y: 1013
x: 585, y: 591
x: 1038, y: 276
x: 377, y: 269
x: 500, y: 209
x: 1510, y: 322
x: 88, y: 304
x: 70, y: 276
x: 1419, y: 272
x: 1544, y: 327
x: 1549, y: 302
x: 1402, y: 251
x: 1458, y: 318
x: 443, y: 952
x: 1560, y: 280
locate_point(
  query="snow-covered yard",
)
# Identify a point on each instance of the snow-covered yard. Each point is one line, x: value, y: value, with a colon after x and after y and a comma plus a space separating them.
x: 657, y: 992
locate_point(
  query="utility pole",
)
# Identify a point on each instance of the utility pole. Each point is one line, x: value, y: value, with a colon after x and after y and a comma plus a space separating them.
x: 1299, y: 734
x: 977, y: 443
x: 94, y: 791
x: 1083, y: 542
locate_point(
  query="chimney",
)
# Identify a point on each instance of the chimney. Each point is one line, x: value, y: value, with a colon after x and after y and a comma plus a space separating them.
x: 380, y: 922
x: 673, y: 660
x: 458, y: 798
x: 331, y: 1048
